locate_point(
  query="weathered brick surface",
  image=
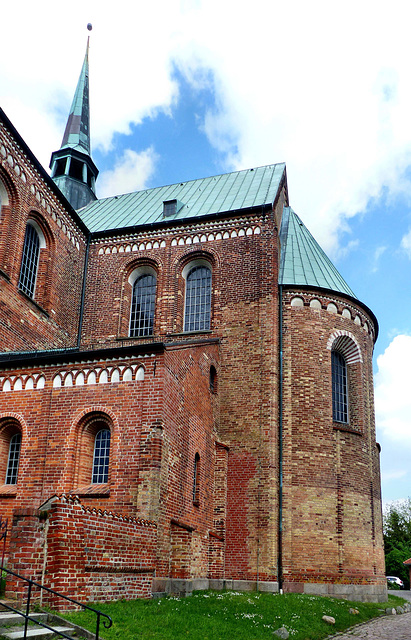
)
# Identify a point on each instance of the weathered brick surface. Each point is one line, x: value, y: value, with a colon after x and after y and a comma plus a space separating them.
x: 332, y: 504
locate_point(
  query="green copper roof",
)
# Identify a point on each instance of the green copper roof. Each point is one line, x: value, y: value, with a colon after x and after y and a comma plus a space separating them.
x: 303, y: 262
x: 195, y: 198
x: 77, y: 132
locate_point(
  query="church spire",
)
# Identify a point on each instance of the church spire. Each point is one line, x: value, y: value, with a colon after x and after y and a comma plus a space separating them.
x: 77, y: 133
x: 72, y: 168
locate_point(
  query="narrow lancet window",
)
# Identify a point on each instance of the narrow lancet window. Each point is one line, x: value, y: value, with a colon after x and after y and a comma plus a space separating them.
x: 196, y: 479
x: 30, y: 261
x: 339, y: 387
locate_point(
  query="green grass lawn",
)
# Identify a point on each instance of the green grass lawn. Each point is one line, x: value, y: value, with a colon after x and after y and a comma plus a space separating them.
x: 229, y: 615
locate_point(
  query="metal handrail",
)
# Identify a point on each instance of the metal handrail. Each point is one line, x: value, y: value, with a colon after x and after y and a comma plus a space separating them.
x: 107, y: 622
x: 3, y: 536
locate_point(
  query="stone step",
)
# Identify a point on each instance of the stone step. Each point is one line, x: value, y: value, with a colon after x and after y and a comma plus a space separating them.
x: 37, y: 632
x: 8, y: 617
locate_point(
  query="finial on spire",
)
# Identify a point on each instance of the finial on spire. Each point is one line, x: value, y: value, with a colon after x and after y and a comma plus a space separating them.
x: 89, y: 26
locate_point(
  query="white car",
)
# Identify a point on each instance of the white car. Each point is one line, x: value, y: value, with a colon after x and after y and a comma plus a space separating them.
x: 394, y: 580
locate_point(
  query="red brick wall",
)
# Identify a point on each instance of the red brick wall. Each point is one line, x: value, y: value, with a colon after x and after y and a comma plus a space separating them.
x: 51, y: 319
x: 157, y: 427
x: 85, y: 554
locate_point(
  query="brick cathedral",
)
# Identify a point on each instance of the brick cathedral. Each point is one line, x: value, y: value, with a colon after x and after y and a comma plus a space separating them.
x: 186, y: 389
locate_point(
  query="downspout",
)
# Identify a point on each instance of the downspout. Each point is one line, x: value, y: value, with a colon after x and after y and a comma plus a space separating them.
x: 280, y: 443
x: 83, y: 292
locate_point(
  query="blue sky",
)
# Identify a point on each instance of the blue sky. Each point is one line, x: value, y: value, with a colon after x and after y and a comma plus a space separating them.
x: 183, y: 89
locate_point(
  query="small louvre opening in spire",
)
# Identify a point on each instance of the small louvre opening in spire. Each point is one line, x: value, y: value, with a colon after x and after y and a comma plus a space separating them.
x: 76, y: 169
x: 60, y: 167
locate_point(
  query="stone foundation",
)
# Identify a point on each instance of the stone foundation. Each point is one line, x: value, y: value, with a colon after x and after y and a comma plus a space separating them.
x: 356, y: 592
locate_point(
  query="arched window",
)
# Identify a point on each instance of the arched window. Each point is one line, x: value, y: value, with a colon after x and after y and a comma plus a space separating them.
x: 93, y: 454
x: 101, y: 457
x: 13, y: 460
x: 196, y: 480
x: 143, y: 305
x: 33, y: 242
x: 10, y: 448
x: 339, y: 387
x: 198, y: 299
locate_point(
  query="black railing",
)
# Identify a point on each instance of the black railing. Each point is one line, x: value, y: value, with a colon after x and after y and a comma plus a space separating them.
x: 3, y: 536
x: 107, y: 621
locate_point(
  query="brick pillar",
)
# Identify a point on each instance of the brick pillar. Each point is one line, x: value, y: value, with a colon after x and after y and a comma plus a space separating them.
x: 180, y: 551
x: 65, y: 554
x: 26, y: 551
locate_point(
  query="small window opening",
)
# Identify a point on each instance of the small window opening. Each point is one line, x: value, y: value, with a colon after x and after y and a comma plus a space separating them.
x: 169, y: 208
x: 213, y: 379
x: 196, y: 480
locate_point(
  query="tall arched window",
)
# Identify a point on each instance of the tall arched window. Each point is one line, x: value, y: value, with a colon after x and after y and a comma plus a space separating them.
x: 33, y: 242
x: 143, y: 305
x: 13, y: 459
x: 198, y: 299
x: 10, y: 448
x: 339, y: 387
x: 101, y: 457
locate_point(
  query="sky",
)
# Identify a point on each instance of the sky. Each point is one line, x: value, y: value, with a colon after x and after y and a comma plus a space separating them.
x: 192, y: 88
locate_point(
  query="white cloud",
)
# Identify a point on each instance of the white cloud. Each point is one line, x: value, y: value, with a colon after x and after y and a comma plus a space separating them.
x: 406, y: 243
x: 378, y: 253
x: 322, y: 86
x: 392, y: 392
x: 394, y: 475
x: 131, y: 172
x: 393, y: 411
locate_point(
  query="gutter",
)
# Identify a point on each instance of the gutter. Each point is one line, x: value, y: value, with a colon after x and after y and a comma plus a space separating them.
x: 13, y: 360
x: 280, y: 443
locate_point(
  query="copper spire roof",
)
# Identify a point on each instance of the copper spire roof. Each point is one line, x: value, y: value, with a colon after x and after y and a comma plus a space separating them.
x: 303, y: 262
x: 77, y: 132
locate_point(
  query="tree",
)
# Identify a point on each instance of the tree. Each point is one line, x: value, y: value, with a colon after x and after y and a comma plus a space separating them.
x: 397, y: 539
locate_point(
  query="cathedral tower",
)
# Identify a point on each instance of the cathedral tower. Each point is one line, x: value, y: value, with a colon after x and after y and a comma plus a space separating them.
x: 72, y: 167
